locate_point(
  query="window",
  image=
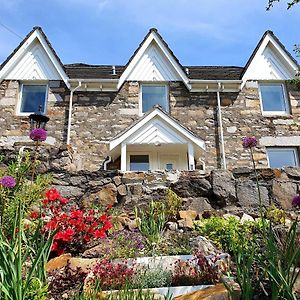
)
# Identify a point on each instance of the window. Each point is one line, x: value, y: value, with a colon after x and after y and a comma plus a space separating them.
x: 282, y: 157
x: 169, y: 166
x: 33, y: 98
x: 139, y: 163
x: 273, y: 98
x: 152, y: 95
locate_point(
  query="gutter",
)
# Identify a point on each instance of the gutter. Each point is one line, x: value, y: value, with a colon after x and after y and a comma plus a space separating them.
x: 221, y: 127
x: 70, y: 112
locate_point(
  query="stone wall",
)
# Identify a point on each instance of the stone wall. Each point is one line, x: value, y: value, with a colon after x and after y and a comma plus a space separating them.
x: 218, y: 189
x: 99, y: 116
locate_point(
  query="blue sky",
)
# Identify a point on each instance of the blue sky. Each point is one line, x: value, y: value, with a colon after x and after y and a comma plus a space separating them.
x: 200, y: 32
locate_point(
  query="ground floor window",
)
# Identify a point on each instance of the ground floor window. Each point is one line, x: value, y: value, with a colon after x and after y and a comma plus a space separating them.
x: 279, y: 157
x: 139, y: 163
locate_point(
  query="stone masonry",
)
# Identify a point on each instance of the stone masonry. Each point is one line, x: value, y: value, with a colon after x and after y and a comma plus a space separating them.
x: 99, y: 116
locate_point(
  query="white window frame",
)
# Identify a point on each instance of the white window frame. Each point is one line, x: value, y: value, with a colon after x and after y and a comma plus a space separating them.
x: 164, y: 84
x: 138, y: 153
x: 19, y: 103
x: 294, y: 149
x: 287, y: 110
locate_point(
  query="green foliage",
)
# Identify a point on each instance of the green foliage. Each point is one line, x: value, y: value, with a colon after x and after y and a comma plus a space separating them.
x: 22, y: 261
x: 280, y: 262
x: 151, y: 221
x: 26, y: 191
x: 174, y: 203
x: 228, y: 234
x: 276, y: 215
x: 150, y: 278
x: 289, y: 4
x: 127, y: 293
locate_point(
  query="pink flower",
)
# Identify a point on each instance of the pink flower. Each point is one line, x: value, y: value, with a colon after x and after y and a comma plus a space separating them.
x: 296, y: 200
x: 8, y: 181
x: 249, y: 142
x: 38, y: 134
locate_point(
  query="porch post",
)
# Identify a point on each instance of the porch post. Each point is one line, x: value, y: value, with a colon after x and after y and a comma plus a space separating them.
x: 191, y: 159
x: 123, y: 157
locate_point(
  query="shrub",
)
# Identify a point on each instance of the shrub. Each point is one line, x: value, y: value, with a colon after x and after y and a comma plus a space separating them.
x: 228, y: 234
x: 107, y: 275
x: 74, y: 227
x: 196, y: 271
x: 174, y: 203
x: 153, y: 278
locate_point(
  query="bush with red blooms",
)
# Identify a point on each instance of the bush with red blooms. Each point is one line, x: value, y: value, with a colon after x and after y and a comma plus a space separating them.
x: 196, y: 271
x: 74, y: 227
x: 109, y: 275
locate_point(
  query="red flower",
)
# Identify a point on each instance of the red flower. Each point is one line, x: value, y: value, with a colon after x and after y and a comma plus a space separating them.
x: 99, y: 234
x: 64, y: 201
x: 34, y: 215
x: 104, y: 218
x: 77, y: 214
x: 107, y: 225
x: 53, y: 195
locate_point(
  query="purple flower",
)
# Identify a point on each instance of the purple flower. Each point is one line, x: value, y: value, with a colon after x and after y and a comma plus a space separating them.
x: 296, y: 201
x: 8, y: 181
x: 38, y: 134
x: 249, y: 142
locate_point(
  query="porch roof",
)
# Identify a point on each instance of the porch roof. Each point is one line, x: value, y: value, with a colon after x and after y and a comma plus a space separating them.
x: 156, y: 126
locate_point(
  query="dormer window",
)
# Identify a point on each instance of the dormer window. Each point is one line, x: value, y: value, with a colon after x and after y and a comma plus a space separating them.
x: 273, y: 99
x: 32, y: 98
x: 153, y: 94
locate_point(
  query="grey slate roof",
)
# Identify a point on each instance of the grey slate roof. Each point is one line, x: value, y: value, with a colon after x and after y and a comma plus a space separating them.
x: 84, y: 71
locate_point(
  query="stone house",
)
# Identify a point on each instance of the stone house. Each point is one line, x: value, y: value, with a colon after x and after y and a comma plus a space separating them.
x: 154, y: 113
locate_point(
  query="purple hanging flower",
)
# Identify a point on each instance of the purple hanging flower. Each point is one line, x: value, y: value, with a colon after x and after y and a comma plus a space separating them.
x: 249, y: 142
x: 8, y: 181
x: 296, y: 200
x: 38, y: 134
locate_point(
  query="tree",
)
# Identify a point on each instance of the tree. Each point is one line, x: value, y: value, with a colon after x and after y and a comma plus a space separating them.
x: 289, y: 4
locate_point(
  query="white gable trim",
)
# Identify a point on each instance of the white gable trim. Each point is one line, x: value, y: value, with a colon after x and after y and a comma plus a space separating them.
x: 157, y: 113
x: 28, y: 44
x: 268, y: 65
x: 153, y: 37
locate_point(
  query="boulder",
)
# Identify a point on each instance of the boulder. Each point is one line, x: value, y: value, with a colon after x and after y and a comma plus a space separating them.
x: 58, y: 262
x: 187, y: 223
x: 246, y: 218
x: 106, y: 196
x: 283, y: 192
x: 99, y: 250
x: 194, y: 186
x: 133, y: 177
x: 122, y: 190
x: 117, y: 180
x: 198, y: 204
x: 85, y: 264
x: 204, y: 245
x: 188, y: 214
x: 247, y: 194
x: 223, y: 186
x: 216, y: 292
x: 70, y: 192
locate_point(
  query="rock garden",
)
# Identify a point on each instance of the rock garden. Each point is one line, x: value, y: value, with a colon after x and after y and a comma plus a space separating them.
x: 112, y: 237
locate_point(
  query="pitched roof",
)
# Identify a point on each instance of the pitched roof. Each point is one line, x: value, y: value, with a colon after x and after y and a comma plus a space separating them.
x: 25, y: 39
x: 85, y: 71
x: 156, y: 110
x: 268, y: 32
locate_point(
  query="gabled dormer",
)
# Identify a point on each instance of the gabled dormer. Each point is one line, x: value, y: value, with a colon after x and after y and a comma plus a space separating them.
x: 33, y: 60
